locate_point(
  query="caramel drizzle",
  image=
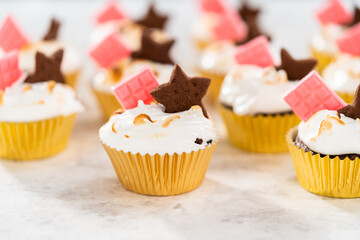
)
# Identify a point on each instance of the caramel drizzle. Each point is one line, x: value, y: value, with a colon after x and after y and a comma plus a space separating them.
x: 51, y: 85
x: 326, y: 125
x: 169, y: 120
x: 27, y: 88
x: 119, y: 111
x: 141, y: 119
x: 113, y: 128
x: 195, y: 107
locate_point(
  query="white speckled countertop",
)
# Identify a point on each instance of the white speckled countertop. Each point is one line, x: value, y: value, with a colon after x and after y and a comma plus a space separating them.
x: 76, y: 195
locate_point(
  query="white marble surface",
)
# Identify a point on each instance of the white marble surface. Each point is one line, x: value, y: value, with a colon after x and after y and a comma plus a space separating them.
x: 76, y: 195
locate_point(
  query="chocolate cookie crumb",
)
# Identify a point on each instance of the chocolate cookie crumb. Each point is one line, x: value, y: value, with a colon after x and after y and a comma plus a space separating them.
x: 199, y: 141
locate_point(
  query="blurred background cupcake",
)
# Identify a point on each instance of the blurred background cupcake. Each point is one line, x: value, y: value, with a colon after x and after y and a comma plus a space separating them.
x: 153, y: 53
x: 150, y: 46
x: 219, y: 21
x: 217, y: 58
x: 334, y: 18
x: 13, y: 38
x: 114, y: 18
x: 37, y: 110
x: 343, y: 74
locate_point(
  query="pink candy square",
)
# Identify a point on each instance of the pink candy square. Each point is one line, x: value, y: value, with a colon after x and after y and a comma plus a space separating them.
x: 350, y: 41
x: 108, y: 52
x: 9, y: 69
x: 255, y: 52
x: 230, y: 27
x: 334, y: 12
x: 11, y: 36
x: 215, y: 6
x: 111, y: 12
x: 312, y: 95
x: 136, y: 87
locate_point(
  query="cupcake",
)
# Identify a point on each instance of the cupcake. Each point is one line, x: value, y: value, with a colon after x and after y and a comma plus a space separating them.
x: 324, y: 147
x: 334, y: 19
x: 251, y: 104
x: 162, y: 147
x: 343, y: 74
x: 154, y: 52
x: 217, y: 58
x: 113, y: 19
x: 37, y: 112
x: 221, y: 22
x: 49, y: 44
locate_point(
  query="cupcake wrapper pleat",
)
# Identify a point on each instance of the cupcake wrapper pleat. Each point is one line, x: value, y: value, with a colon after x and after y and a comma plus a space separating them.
x: 33, y: 140
x: 71, y: 79
x: 263, y: 134
x: 161, y: 175
x: 215, y: 84
x: 331, y: 177
x: 323, y: 59
x: 108, y: 102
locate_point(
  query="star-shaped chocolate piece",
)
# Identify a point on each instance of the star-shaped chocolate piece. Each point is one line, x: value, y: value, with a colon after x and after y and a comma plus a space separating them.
x: 181, y: 92
x: 253, y: 31
x: 295, y: 69
x: 47, y: 68
x: 53, y: 30
x: 250, y: 17
x: 352, y: 110
x: 247, y: 13
x: 152, y: 19
x: 356, y: 17
x: 153, y: 50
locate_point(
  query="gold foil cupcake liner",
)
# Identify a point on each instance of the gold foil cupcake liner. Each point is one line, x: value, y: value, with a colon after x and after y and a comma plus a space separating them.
x: 215, y: 85
x: 161, y: 175
x: 331, y: 177
x: 71, y: 79
x: 108, y: 102
x: 324, y: 59
x: 262, y: 134
x: 32, y: 140
x: 347, y: 97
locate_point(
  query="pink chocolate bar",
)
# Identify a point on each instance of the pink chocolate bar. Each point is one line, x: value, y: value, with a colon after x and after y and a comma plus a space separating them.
x: 108, y: 52
x: 215, y: 6
x: 255, y: 52
x: 111, y: 12
x: 136, y: 87
x: 350, y: 41
x: 334, y: 12
x: 9, y: 69
x: 230, y: 27
x: 312, y: 95
x: 11, y: 36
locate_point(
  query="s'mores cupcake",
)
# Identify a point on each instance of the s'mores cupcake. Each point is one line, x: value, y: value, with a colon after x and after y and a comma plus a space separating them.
x: 217, y: 58
x: 343, y: 74
x: 37, y: 111
x: 154, y: 53
x: 334, y: 18
x: 325, y: 146
x: 251, y: 97
x: 160, y: 147
x: 14, y: 39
